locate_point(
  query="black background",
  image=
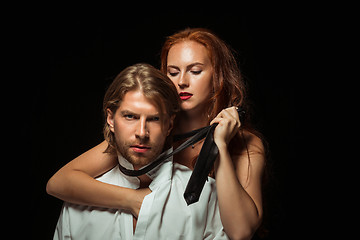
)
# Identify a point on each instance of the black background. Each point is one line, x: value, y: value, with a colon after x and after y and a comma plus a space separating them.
x: 78, y: 53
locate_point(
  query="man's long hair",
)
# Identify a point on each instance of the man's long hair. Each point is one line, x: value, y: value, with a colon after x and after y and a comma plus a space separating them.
x: 155, y: 86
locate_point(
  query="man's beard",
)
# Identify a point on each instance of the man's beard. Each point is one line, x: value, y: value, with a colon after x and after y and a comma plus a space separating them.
x: 138, y: 160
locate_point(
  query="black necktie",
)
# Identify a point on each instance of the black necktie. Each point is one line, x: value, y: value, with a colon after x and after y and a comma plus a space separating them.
x: 203, y: 165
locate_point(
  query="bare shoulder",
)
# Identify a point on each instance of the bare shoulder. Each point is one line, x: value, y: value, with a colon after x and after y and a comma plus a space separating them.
x: 249, y: 157
x: 246, y: 143
x: 254, y: 143
x: 249, y: 153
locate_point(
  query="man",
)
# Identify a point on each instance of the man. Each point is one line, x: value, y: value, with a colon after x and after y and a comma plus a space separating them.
x: 140, y: 107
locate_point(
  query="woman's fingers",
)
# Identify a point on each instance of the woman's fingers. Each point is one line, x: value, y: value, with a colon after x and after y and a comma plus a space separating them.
x: 229, y: 124
x: 230, y: 114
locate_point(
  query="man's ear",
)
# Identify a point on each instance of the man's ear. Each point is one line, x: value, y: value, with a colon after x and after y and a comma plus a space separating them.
x: 171, y: 124
x: 110, y: 119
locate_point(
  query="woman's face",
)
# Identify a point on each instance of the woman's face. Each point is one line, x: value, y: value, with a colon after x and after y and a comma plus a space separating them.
x: 190, y: 69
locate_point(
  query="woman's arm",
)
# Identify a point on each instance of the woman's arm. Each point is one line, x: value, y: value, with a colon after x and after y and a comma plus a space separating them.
x: 238, y: 178
x: 75, y: 183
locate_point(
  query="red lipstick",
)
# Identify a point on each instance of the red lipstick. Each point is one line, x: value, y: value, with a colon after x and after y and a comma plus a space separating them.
x: 185, y: 95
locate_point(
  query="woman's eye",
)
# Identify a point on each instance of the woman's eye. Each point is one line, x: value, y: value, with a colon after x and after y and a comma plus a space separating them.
x: 196, y: 72
x: 173, y: 74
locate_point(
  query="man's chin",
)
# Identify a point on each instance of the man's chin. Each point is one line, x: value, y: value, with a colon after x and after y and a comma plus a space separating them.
x: 139, y: 160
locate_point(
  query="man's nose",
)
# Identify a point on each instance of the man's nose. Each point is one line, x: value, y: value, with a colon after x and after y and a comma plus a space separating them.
x: 141, y: 130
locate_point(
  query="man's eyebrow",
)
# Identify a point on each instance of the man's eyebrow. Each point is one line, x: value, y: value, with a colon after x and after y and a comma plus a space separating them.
x: 151, y: 117
x: 126, y: 112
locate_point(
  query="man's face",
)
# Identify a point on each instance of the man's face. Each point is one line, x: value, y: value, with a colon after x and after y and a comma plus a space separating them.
x: 138, y: 129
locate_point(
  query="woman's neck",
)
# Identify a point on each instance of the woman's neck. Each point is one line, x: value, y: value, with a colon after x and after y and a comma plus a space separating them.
x: 188, y: 122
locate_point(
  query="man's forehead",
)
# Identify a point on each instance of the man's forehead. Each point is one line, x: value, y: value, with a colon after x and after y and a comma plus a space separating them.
x: 136, y: 102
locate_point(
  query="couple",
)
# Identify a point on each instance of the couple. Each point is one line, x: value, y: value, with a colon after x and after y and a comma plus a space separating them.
x: 139, y: 124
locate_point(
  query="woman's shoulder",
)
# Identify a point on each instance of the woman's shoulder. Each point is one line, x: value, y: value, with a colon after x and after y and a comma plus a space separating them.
x: 250, y: 150
x: 248, y: 142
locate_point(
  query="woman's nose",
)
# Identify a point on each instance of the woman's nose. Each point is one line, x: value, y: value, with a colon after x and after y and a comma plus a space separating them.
x: 183, y: 81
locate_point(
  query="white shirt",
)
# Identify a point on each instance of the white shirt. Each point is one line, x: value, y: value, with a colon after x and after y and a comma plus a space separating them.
x: 164, y: 214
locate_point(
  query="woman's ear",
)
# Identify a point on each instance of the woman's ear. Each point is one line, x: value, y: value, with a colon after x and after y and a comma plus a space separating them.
x: 110, y: 119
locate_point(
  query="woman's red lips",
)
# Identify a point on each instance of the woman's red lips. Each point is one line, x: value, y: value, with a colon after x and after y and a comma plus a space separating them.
x: 185, y: 95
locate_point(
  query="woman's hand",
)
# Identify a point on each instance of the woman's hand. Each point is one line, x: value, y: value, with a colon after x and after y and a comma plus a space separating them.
x: 136, y: 199
x: 229, y: 124
x: 238, y: 177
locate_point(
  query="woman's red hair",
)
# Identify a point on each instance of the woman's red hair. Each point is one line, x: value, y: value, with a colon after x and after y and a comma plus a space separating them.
x: 228, y: 86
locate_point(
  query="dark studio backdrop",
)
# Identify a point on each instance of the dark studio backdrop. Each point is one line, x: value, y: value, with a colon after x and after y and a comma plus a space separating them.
x: 82, y: 53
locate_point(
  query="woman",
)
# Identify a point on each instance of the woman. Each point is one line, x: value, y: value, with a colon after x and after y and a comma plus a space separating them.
x: 209, y: 84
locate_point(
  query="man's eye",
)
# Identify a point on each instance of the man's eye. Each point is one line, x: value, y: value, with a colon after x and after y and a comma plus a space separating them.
x: 129, y: 117
x: 154, y: 119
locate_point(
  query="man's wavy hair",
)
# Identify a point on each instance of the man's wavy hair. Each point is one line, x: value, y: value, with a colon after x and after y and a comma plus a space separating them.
x: 155, y: 86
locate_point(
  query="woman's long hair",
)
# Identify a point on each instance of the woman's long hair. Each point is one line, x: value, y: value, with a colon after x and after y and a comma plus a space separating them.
x: 229, y: 88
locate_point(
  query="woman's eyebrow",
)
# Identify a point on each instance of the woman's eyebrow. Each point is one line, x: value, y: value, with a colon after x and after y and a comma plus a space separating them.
x: 194, y: 64
x: 173, y: 66
x: 187, y: 67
